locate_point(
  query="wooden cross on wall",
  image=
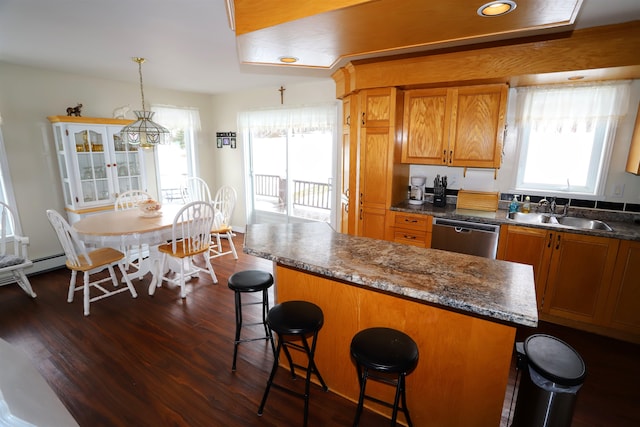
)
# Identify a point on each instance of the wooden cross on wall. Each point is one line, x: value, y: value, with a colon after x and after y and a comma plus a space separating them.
x: 281, y: 90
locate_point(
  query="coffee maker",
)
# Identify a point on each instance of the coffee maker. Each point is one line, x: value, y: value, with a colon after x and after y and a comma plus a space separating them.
x: 417, y: 190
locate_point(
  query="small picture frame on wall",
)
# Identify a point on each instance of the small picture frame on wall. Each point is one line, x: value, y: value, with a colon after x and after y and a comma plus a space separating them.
x: 226, y: 139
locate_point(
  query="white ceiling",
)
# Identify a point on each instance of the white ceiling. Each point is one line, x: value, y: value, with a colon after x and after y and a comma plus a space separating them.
x: 188, y: 43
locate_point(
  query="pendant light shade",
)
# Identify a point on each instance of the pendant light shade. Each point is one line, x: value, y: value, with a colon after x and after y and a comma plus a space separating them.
x: 144, y: 132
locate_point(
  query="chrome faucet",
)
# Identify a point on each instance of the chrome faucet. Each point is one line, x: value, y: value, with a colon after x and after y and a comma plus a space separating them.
x: 552, y: 206
x: 543, y: 205
x: 565, y: 209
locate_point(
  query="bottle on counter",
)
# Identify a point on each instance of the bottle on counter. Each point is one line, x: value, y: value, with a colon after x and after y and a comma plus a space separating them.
x: 513, y: 206
x: 526, y: 207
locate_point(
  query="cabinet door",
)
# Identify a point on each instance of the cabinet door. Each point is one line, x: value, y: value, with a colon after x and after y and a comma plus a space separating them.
x: 377, y: 107
x: 623, y: 304
x: 579, y: 276
x: 374, y: 157
x: 425, y: 133
x: 127, y: 166
x: 372, y: 221
x: 346, y: 166
x: 93, y: 185
x: 477, y: 126
x: 530, y: 246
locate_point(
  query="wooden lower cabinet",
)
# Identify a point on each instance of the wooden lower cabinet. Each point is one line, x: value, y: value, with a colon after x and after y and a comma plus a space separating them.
x: 410, y: 229
x: 585, y: 282
x: 579, y: 276
x: 527, y: 245
x: 371, y: 222
x: 623, y: 305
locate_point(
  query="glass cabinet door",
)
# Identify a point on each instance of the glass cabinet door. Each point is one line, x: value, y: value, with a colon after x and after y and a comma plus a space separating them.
x: 128, y: 168
x: 93, y: 162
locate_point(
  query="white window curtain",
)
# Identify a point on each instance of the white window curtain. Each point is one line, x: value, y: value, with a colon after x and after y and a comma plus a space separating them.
x: 569, y: 107
x: 177, y: 118
x: 299, y: 119
x: 566, y: 135
x: 177, y: 160
x: 6, y: 188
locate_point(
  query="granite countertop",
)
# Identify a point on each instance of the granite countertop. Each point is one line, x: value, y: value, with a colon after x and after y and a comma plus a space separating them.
x: 625, y: 230
x: 493, y: 289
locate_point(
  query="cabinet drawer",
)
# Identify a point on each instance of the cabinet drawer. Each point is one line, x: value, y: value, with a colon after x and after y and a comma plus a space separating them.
x: 413, y: 222
x: 410, y: 237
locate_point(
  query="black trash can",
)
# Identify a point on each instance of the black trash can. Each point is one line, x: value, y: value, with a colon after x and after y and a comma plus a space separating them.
x: 551, y: 375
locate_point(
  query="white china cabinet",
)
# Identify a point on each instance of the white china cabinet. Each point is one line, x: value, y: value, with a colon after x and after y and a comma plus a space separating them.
x: 95, y: 165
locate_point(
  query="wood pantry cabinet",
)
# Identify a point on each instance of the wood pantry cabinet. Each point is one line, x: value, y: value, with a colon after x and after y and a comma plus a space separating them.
x: 349, y: 156
x: 95, y: 165
x: 376, y: 151
x: 578, y: 281
x: 458, y: 126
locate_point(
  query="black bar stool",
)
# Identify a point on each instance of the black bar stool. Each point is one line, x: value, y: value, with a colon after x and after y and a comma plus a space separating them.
x: 391, y: 354
x: 250, y: 281
x: 295, y: 321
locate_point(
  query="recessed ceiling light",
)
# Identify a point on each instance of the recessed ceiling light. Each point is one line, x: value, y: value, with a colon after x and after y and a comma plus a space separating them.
x: 288, y: 59
x: 496, y: 8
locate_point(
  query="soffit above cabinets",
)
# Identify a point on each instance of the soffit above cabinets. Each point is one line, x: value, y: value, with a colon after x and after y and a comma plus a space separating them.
x: 325, y: 34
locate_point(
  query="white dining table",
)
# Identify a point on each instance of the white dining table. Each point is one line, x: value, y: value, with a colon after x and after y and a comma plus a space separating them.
x: 129, y: 227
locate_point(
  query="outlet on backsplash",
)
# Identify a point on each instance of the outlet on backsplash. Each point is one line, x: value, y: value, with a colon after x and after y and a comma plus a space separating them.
x: 618, y: 190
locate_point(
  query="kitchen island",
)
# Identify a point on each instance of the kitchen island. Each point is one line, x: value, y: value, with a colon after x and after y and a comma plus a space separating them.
x: 461, y: 310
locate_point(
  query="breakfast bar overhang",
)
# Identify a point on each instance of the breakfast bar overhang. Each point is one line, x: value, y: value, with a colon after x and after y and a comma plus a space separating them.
x: 461, y: 310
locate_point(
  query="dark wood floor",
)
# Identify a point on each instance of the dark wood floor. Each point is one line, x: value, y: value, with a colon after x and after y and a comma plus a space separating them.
x: 165, y: 361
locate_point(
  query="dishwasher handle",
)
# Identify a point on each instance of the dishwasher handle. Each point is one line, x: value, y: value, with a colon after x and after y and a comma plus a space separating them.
x: 462, y: 230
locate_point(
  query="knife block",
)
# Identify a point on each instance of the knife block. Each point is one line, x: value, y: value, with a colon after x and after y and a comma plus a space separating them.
x: 439, y: 197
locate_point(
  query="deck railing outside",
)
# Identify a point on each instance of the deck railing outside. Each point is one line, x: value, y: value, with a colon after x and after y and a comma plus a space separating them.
x: 305, y: 193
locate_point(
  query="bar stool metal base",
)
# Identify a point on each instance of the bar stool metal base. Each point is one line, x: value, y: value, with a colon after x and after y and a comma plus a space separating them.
x: 295, y: 320
x: 385, y: 355
x: 250, y: 281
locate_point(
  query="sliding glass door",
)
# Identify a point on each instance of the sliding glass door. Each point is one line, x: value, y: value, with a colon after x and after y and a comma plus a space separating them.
x: 291, y: 168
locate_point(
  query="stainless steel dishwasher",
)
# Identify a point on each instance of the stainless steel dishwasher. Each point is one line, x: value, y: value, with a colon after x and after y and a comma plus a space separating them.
x: 465, y: 237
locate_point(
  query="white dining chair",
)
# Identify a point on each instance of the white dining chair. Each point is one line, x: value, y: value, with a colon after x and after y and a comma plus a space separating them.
x: 195, y: 189
x: 190, y: 236
x: 130, y: 200
x: 89, y: 263
x: 14, y: 258
x: 223, y: 204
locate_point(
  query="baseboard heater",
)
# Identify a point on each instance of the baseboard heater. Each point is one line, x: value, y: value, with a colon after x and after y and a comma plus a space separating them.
x: 41, y: 265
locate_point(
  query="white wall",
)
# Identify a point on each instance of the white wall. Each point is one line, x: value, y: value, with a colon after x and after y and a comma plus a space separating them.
x: 27, y: 97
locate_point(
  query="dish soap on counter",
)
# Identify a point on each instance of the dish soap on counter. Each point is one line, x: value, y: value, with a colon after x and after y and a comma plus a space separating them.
x: 513, y: 206
x: 526, y: 207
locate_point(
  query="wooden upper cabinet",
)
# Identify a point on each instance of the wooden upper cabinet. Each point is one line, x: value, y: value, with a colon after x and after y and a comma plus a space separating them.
x: 377, y: 108
x: 633, y: 161
x: 425, y: 133
x: 461, y: 126
x: 477, y: 126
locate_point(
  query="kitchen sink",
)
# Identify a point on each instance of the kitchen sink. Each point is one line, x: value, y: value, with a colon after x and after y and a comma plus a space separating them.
x: 589, y: 224
x: 530, y: 218
x: 565, y: 221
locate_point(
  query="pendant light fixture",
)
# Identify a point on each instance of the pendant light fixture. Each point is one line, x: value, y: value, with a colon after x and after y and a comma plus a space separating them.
x: 144, y: 132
